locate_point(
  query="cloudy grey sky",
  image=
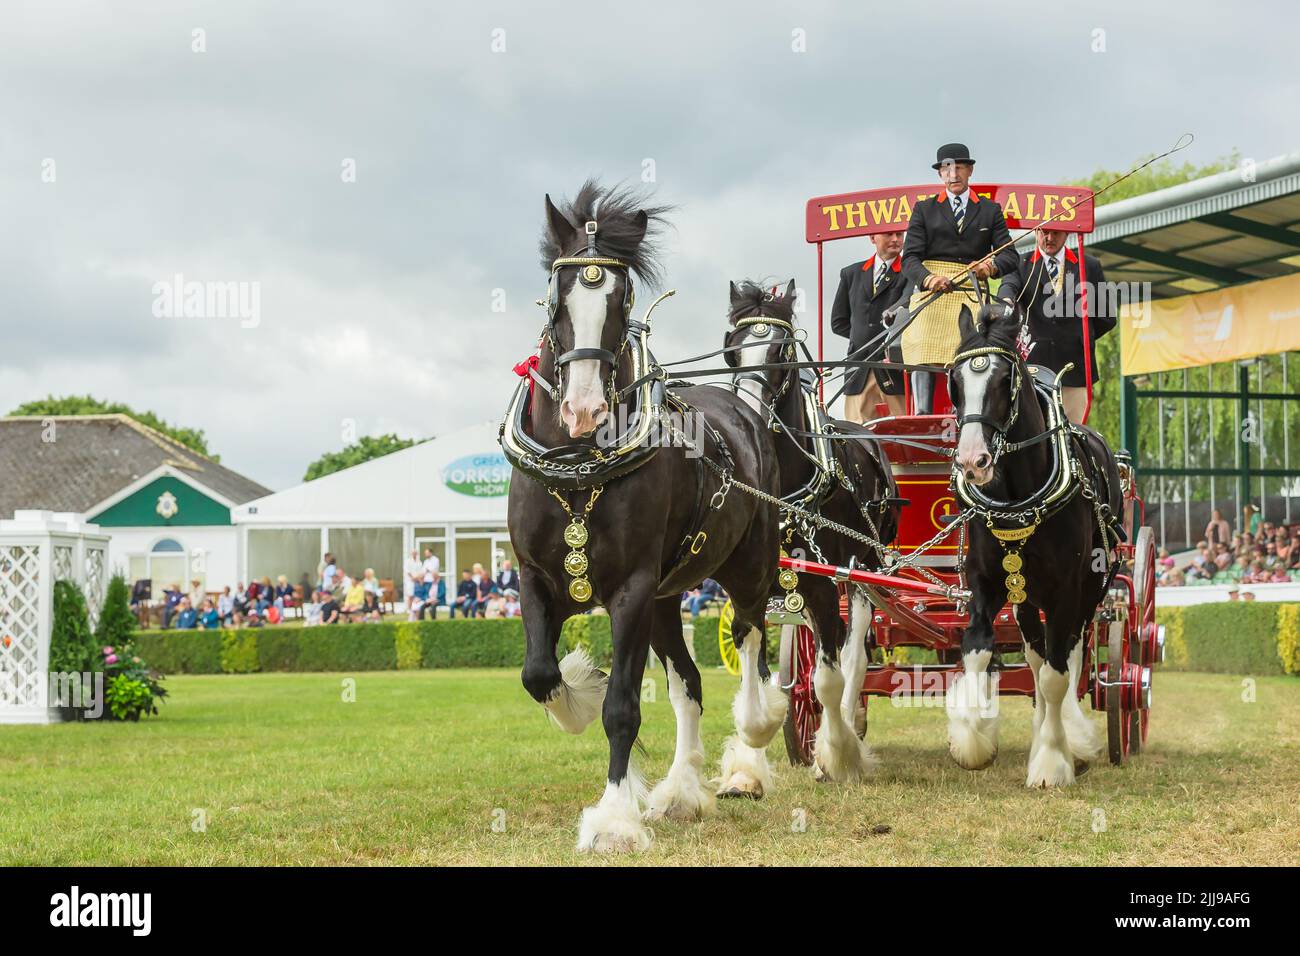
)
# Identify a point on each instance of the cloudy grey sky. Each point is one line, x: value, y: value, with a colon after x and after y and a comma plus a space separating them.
x: 376, y: 295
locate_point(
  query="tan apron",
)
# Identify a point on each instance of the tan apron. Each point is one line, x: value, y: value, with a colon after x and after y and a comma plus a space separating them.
x: 932, y: 337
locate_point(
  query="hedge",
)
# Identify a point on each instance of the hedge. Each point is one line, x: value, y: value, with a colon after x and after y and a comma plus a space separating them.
x: 1232, y: 637
x: 388, y: 645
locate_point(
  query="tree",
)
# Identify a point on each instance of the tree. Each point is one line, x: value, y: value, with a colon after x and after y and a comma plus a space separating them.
x: 72, y: 645
x: 191, y: 438
x: 117, y: 624
x: 369, y: 447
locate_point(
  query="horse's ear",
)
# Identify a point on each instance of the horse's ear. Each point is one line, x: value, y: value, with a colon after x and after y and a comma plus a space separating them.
x: 789, y: 292
x: 735, y: 293
x: 640, y: 222
x: 966, y: 322
x: 563, y: 232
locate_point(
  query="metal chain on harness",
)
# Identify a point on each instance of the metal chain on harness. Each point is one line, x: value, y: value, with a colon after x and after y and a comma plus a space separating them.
x: 808, y: 522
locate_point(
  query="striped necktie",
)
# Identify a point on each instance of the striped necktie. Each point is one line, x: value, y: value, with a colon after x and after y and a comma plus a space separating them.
x: 1053, y: 269
x: 880, y: 276
x: 958, y: 211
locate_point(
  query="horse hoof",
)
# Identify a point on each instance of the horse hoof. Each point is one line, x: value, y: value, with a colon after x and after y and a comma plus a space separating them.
x: 614, y: 843
x: 735, y: 793
x: 983, y: 765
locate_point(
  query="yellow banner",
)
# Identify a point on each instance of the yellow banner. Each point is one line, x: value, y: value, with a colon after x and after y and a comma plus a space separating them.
x: 1258, y: 318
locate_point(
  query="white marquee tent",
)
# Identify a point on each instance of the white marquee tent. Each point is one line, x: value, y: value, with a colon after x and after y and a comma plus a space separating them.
x: 448, y: 494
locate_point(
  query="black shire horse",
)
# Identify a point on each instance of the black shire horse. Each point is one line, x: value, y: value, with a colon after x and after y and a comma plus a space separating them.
x: 654, y: 531
x: 1017, y: 454
x: 848, y: 481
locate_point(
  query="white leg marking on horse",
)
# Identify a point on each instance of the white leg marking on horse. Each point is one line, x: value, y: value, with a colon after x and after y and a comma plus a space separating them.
x: 972, y: 705
x: 854, y: 659
x: 1035, y: 663
x: 838, y: 754
x: 578, y: 699
x: 745, y: 770
x: 614, y: 824
x: 759, y: 707
x: 681, y: 795
x: 759, y: 711
x: 1051, y: 764
x: 1080, y: 732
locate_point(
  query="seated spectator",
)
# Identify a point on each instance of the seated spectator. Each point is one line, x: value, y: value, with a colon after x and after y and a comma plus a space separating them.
x: 171, y: 600
x: 1222, y: 557
x: 226, y: 608
x: 508, y: 578
x: 373, y: 595
x: 709, y: 591
x: 284, y: 593
x: 312, y: 610
x: 466, y: 595
x: 354, y: 599
x: 254, y: 619
x: 197, y: 594
x: 486, y: 588
x: 343, y: 584
x: 209, y: 620
x: 510, y: 607
x: 494, y: 605
x: 187, y: 618
x: 329, y: 609
x: 1280, y: 575
x: 265, y: 595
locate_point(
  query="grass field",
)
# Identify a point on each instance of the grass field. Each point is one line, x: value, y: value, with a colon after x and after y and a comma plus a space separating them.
x: 418, y: 768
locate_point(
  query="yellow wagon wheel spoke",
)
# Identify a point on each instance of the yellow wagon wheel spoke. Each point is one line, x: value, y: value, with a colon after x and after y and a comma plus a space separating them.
x: 727, y: 647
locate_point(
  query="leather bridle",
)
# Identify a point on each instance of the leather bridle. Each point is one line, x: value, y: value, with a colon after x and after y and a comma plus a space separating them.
x: 760, y: 325
x: 592, y: 268
x: 979, y: 361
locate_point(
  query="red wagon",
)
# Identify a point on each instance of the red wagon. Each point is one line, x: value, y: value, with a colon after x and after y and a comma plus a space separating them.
x: 921, y: 605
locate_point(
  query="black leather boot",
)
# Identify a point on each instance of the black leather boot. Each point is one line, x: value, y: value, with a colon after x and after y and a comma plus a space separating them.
x: 922, y: 393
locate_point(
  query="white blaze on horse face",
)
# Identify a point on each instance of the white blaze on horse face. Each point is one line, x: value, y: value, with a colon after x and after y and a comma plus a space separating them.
x: 583, y: 407
x: 752, y: 355
x: 973, y: 455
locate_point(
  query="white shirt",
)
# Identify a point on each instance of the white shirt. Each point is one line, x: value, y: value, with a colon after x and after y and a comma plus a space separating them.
x: 960, y: 198
x: 431, y: 568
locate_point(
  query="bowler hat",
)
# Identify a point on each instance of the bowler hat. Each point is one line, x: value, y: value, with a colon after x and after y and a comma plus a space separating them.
x: 952, y: 153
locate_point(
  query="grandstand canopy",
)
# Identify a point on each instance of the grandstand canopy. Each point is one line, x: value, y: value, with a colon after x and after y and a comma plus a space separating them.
x: 1231, y: 228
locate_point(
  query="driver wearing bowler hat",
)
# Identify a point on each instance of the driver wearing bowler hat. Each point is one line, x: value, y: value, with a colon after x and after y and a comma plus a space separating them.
x: 947, y: 233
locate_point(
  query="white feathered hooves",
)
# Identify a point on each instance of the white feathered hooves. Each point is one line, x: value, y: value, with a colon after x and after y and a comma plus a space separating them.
x: 972, y: 705
x: 577, y: 701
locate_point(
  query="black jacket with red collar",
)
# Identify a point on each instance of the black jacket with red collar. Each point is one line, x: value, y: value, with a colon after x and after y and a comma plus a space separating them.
x: 1055, y: 317
x: 857, y: 314
x: 932, y: 234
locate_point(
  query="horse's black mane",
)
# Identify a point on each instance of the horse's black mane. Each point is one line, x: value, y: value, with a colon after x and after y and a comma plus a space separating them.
x: 750, y: 298
x: 996, y: 327
x: 618, y: 234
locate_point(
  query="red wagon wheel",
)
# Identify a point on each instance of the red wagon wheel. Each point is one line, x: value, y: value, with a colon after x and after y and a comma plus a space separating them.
x: 1119, y: 719
x: 798, y: 658
x: 1132, y: 647
x: 1147, y: 630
